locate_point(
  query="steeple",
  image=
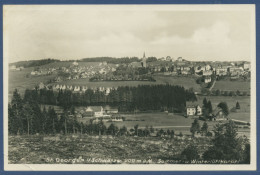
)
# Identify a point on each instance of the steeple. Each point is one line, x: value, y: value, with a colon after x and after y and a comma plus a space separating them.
x: 144, y: 61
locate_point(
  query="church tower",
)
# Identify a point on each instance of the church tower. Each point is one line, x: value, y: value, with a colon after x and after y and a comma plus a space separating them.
x: 144, y: 61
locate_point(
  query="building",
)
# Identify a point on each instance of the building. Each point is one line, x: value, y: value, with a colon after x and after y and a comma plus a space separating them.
x: 180, y: 59
x: 75, y: 63
x: 143, y: 61
x: 207, y: 67
x: 110, y: 110
x: 70, y: 87
x: 76, y: 88
x: 246, y: 66
x: 135, y: 64
x: 168, y: 58
x: 57, y: 87
x: 193, y: 109
x: 207, y: 79
x: 108, y: 89
x: 13, y: 67
x: 221, y: 71
x: 207, y: 73
x: 218, y: 114
x: 94, y: 111
x: 84, y: 88
x: 41, y: 85
x: 234, y: 71
x: 63, y: 87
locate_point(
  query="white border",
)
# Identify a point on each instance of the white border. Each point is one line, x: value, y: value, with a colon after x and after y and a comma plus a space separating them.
x: 149, y: 167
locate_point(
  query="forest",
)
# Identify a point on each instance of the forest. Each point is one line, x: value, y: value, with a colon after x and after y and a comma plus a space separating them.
x: 25, y: 117
x: 127, y: 99
x: 34, y: 63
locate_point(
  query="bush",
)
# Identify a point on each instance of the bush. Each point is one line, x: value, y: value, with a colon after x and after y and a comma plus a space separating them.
x: 190, y: 153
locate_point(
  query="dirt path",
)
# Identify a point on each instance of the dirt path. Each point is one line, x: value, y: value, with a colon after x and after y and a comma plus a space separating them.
x: 212, y: 85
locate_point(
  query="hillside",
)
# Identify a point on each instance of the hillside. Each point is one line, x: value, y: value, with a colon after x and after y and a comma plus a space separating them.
x: 33, y: 63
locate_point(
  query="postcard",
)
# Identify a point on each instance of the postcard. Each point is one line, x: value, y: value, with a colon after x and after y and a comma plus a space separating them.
x: 129, y: 87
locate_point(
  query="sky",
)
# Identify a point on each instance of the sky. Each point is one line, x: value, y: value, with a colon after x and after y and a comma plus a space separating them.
x: 203, y: 33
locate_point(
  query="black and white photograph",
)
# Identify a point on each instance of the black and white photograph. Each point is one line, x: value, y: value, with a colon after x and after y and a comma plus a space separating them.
x: 129, y: 87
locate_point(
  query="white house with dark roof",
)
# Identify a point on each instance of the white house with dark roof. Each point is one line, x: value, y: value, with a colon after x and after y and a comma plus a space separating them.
x: 63, y: 87
x: 76, y: 88
x: 96, y: 111
x: 193, y: 109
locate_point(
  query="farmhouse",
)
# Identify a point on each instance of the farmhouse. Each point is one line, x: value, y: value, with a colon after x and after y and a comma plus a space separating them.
x: 135, y: 64
x: 84, y: 88
x: 75, y: 63
x: 235, y: 71
x: 207, y: 79
x: 41, y: 85
x: 13, y: 67
x: 77, y: 88
x: 218, y: 114
x: 246, y: 66
x: 180, y: 59
x: 110, y: 110
x: 221, y: 71
x: 193, y: 109
x: 95, y: 111
x: 207, y: 72
x: 69, y: 87
x: 63, y: 87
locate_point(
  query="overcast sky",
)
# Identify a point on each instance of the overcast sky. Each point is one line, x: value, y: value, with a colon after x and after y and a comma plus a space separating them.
x: 75, y: 32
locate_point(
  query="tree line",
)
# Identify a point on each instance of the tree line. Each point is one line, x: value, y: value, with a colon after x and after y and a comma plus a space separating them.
x: 33, y: 63
x: 225, y: 145
x: 127, y: 99
x: 111, y: 60
x: 25, y: 116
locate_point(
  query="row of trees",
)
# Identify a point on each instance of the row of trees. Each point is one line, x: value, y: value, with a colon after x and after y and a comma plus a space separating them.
x: 122, y: 60
x: 34, y: 63
x: 195, y: 128
x: 218, y: 92
x: 228, y: 93
x: 142, y: 97
x: 26, y: 117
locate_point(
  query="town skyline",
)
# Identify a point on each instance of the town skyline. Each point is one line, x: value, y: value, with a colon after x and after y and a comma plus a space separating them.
x: 139, y: 57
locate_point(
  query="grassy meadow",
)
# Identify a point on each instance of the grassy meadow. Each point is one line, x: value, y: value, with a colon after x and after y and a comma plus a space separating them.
x: 227, y: 85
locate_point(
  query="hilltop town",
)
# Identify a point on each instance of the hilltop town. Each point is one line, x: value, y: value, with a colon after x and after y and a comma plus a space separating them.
x: 158, y: 98
x: 144, y: 69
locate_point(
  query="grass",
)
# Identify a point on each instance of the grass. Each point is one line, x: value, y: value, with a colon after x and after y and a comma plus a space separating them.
x: 227, y: 85
x: 241, y: 114
x: 69, y: 63
x: 160, y: 120
x: 18, y: 80
x: 244, y: 101
x: 34, y: 150
x: 186, y: 82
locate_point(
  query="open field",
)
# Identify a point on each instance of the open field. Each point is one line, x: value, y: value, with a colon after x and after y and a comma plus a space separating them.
x: 241, y: 114
x: 226, y: 85
x: 186, y: 82
x: 41, y: 150
x: 164, y: 121
x: 176, y: 121
x: 69, y: 63
x: 244, y: 101
x: 18, y: 80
